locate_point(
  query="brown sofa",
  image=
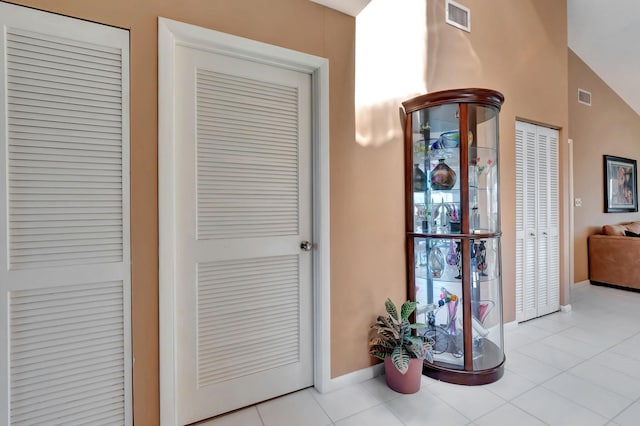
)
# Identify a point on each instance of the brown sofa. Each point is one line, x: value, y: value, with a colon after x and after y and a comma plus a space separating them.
x: 614, y: 256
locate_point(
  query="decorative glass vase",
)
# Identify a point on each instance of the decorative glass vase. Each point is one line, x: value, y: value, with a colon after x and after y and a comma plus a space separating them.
x: 436, y: 262
x: 481, y: 253
x: 419, y: 179
x: 440, y: 214
x: 442, y: 176
x: 458, y: 261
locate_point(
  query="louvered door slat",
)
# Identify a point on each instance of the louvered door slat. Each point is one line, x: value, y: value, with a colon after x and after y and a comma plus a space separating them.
x: 70, y: 118
x: 243, y: 135
x: 70, y: 56
x: 64, y: 152
x: 36, y: 166
x: 65, y: 212
x: 36, y: 396
x: 519, y: 279
x: 537, y: 263
x: 27, y: 97
x: 266, y: 186
x: 520, y: 227
x: 97, y: 79
x: 82, y: 49
x: 109, y: 361
x: 29, y: 106
x: 530, y: 181
x: 31, y: 73
x: 554, y: 223
x: 520, y: 176
x: 273, y: 285
x: 47, y: 140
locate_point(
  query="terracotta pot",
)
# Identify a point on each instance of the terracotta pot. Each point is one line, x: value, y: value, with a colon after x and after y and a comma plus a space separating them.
x: 404, y: 383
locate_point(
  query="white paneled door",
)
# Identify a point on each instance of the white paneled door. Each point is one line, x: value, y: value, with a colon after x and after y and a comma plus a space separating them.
x: 64, y: 221
x: 537, y: 221
x: 243, y: 209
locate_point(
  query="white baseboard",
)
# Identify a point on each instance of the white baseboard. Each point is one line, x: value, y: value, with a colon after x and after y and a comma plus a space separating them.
x: 581, y: 283
x: 565, y: 308
x: 354, y: 377
x: 509, y: 326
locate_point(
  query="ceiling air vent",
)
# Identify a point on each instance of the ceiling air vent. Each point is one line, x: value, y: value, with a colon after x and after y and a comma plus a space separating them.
x: 458, y: 16
x: 584, y: 97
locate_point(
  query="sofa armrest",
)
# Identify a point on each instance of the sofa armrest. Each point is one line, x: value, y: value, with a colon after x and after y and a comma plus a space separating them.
x: 614, y: 260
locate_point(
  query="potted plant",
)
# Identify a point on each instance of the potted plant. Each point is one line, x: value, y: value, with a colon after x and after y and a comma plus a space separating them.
x: 402, y: 352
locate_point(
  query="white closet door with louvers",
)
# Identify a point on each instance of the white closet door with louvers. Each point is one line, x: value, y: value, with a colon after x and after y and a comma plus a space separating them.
x: 64, y: 211
x: 537, y: 221
x: 243, y: 197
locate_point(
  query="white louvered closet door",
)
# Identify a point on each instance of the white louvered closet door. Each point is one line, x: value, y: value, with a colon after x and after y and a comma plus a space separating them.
x: 243, y: 185
x: 542, y: 228
x: 549, y: 243
x: 537, y: 220
x: 64, y: 210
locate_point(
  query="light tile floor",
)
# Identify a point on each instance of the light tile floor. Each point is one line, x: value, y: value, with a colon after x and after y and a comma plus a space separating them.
x: 576, y: 368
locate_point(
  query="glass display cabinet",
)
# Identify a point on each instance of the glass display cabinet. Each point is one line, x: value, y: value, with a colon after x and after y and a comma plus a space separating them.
x: 453, y: 231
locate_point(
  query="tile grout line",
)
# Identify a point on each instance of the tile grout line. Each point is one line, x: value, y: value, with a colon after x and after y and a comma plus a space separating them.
x: 566, y: 370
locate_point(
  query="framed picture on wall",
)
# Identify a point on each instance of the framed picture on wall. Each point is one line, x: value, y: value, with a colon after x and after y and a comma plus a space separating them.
x: 620, y: 185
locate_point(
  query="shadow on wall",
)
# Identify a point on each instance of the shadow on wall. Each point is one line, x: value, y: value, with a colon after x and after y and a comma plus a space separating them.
x: 380, y: 123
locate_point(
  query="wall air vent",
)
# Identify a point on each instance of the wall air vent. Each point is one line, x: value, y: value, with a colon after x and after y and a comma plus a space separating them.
x: 458, y: 16
x: 584, y: 97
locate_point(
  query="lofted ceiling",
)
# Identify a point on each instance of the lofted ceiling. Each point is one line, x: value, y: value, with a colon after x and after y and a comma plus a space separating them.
x: 604, y: 34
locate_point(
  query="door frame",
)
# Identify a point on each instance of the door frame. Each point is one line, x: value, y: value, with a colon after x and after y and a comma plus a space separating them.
x: 170, y: 35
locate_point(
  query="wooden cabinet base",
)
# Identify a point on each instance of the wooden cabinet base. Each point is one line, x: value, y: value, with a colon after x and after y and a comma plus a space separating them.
x: 461, y: 377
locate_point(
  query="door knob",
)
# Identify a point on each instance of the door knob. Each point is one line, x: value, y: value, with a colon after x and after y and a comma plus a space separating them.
x: 306, y: 246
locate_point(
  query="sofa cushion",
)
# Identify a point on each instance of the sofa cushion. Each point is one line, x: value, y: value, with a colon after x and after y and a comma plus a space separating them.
x: 634, y: 227
x: 614, y: 230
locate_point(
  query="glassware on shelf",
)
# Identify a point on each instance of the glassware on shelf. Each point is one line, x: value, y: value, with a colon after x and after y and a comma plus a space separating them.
x: 479, y: 258
x: 454, y: 258
x: 481, y: 252
x: 420, y: 217
x: 453, y: 218
x: 419, y: 148
x: 440, y: 217
x: 434, y: 144
x: 458, y: 261
x: 450, y: 139
x: 436, y: 262
x: 453, y: 140
x: 442, y: 176
x: 422, y: 252
x: 474, y: 218
x: 451, y: 300
x: 419, y: 179
x: 442, y: 153
x: 451, y: 256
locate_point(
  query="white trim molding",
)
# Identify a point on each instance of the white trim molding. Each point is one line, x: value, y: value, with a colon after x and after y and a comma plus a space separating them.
x: 170, y: 35
x: 350, y: 7
x: 565, y: 308
x: 354, y: 377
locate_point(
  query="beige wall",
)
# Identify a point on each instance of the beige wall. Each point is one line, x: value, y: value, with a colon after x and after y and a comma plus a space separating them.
x: 520, y: 49
x: 609, y: 126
